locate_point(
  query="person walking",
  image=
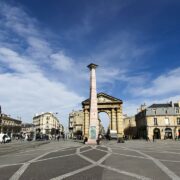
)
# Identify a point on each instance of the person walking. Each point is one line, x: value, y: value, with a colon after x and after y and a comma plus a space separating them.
x: 63, y: 136
x: 58, y: 137
x: 3, y: 139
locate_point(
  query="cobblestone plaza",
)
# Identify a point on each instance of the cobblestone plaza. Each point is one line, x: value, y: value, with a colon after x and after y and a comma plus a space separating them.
x: 74, y: 160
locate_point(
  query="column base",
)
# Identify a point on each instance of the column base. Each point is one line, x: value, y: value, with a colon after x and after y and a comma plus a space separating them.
x: 91, y: 142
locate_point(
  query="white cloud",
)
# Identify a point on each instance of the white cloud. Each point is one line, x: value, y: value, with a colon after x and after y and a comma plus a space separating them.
x: 15, y: 62
x: 25, y: 95
x: 25, y: 87
x: 165, y: 84
x: 62, y: 62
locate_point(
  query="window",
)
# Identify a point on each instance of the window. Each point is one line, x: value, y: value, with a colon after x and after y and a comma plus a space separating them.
x: 154, y: 111
x: 155, y: 121
x: 177, y: 111
x: 166, y: 121
x: 178, y: 121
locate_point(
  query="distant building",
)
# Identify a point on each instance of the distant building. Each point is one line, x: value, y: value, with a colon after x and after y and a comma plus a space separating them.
x: 101, y: 128
x: 61, y: 128
x: 9, y: 125
x: 47, y: 123
x: 129, y: 125
x: 161, y: 121
x: 27, y: 129
x: 76, y: 119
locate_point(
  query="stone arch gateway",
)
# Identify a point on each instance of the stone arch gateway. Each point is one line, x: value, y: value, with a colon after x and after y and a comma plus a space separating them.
x: 106, y: 103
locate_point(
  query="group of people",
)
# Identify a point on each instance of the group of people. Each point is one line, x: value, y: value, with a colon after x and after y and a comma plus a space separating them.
x: 153, y: 138
x: 98, y: 140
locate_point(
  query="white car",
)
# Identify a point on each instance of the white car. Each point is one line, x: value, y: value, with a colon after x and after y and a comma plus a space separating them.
x: 7, y: 138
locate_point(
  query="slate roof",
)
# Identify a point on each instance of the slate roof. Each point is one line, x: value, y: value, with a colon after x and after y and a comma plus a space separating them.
x: 160, y: 105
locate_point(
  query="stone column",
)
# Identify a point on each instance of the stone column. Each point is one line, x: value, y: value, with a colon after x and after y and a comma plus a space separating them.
x: 119, y: 123
x: 86, y: 123
x: 93, y: 117
x: 113, y: 119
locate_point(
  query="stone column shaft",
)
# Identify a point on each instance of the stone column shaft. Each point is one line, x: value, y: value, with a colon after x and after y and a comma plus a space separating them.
x: 119, y: 123
x: 93, y: 98
x: 113, y: 119
x: 86, y: 123
x: 93, y: 116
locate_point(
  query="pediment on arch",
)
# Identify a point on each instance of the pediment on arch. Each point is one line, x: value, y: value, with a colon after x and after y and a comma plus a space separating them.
x: 104, y: 98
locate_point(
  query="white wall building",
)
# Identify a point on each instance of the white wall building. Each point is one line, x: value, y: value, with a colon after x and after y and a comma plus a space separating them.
x: 45, y: 122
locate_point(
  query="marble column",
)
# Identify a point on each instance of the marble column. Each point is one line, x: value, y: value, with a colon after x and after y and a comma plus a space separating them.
x: 93, y: 115
x: 86, y: 123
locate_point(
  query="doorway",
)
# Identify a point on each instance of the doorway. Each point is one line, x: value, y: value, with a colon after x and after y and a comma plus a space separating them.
x: 168, y: 133
x: 157, y: 134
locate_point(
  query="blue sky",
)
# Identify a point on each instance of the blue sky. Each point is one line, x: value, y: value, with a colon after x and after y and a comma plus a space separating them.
x: 46, y: 46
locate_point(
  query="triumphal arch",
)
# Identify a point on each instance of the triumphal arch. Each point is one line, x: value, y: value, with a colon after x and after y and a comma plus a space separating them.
x: 110, y: 105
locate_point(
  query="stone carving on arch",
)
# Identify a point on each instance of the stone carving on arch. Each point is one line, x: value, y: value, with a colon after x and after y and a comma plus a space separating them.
x: 110, y: 105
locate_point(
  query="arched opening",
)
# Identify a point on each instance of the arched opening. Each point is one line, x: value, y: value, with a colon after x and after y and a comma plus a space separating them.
x: 157, y: 134
x: 168, y: 133
x: 104, y: 123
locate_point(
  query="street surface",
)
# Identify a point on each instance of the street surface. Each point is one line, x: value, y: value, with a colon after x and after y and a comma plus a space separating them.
x: 75, y: 161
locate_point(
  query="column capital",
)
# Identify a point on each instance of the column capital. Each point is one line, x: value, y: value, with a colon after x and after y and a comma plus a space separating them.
x: 92, y: 66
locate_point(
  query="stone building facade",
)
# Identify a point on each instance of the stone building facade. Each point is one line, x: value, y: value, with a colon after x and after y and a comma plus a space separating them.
x: 161, y: 121
x: 129, y: 125
x: 76, y: 123
x: 76, y: 119
x: 9, y: 125
x: 110, y: 105
x: 27, y: 129
x: 46, y: 122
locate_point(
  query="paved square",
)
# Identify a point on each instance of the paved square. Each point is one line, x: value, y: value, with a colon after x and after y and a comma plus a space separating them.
x: 75, y: 161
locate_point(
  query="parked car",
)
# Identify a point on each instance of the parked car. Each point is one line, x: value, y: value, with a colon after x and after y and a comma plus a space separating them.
x: 7, y: 138
x: 113, y: 134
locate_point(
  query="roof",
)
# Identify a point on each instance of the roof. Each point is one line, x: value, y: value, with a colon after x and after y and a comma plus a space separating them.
x: 6, y: 117
x: 160, y: 105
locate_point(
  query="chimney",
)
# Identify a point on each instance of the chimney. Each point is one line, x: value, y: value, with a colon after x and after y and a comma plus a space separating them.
x: 143, y: 107
x: 171, y: 103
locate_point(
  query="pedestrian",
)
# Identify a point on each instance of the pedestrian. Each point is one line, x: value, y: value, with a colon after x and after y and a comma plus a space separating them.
x: 147, y: 139
x: 85, y: 140
x: 153, y: 138
x: 63, y: 136
x: 4, y: 139
x: 58, y: 137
